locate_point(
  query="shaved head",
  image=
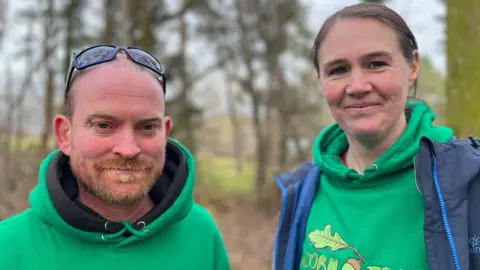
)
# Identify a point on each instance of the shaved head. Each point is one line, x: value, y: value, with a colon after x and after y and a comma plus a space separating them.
x: 121, y: 61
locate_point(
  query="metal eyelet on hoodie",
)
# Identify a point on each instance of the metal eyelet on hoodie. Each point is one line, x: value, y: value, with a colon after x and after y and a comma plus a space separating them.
x: 141, y: 223
x: 143, y: 226
x: 128, y: 227
x: 106, y: 230
x: 375, y: 166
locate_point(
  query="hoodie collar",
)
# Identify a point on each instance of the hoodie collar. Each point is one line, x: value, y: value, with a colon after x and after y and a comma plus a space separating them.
x: 54, y: 199
x: 332, y: 142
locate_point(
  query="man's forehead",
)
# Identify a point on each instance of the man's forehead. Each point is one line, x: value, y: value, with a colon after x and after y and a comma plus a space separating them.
x: 112, y: 82
x: 121, y: 61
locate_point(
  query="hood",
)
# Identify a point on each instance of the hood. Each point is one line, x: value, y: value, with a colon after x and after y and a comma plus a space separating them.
x: 332, y: 142
x: 53, y: 200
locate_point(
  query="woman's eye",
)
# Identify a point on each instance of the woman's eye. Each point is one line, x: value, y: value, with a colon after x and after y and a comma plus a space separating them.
x: 375, y: 64
x: 337, y: 71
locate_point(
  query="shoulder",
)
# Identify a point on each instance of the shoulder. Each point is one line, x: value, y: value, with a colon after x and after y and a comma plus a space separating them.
x: 451, y: 165
x: 16, y: 231
x: 286, y: 179
x: 202, y: 218
x: 18, y: 222
x: 455, y: 153
x: 453, y: 146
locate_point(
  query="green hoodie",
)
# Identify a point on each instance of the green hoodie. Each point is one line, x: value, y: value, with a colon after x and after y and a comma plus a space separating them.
x: 58, y: 232
x: 372, y: 221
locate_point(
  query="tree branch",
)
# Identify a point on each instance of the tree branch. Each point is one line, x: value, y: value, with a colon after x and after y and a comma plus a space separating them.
x: 26, y: 82
x: 177, y: 99
x: 167, y: 17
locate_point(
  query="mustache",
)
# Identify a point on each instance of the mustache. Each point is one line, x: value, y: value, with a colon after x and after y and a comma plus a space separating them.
x: 118, y: 163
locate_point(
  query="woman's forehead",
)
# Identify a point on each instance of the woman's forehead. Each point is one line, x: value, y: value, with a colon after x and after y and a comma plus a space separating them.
x: 357, y: 37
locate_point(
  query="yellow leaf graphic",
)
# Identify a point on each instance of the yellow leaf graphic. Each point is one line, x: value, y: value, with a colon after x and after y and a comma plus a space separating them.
x: 324, y: 239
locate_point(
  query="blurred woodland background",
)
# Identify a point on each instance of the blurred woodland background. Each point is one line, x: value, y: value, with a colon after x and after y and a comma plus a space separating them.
x: 242, y: 90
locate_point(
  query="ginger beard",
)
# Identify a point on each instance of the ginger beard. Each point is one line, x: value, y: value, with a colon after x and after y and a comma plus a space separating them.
x: 117, y: 180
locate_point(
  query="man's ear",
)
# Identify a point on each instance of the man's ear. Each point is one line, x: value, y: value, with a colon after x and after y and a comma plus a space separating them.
x: 168, y: 126
x: 62, y: 127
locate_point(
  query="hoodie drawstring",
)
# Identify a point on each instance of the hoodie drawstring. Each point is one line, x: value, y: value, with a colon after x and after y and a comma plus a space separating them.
x: 127, y: 227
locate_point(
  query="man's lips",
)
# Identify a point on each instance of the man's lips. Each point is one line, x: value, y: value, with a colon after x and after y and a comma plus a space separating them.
x: 126, y: 169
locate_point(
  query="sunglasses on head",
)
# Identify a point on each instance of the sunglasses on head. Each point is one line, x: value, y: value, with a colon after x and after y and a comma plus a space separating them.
x: 104, y: 53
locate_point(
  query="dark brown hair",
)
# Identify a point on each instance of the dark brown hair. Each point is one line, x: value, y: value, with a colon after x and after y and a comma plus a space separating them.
x: 381, y: 13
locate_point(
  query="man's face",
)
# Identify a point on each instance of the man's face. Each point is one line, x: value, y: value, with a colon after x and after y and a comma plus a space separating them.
x: 117, y: 134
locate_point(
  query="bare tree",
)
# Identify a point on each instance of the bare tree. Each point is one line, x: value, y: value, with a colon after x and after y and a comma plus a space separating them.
x: 232, y: 97
x: 3, y: 19
x: 29, y: 47
x: 253, y: 35
x: 7, y: 133
x: 49, y: 22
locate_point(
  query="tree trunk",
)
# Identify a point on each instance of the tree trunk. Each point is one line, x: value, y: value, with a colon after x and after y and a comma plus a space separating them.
x: 261, y: 151
x: 237, y: 129
x: 7, y: 134
x: 48, y: 112
x: 123, y: 21
x: 248, y: 86
x: 189, y: 138
x: 146, y: 40
x: 108, y: 7
x: 71, y: 7
x: 463, y: 61
x: 49, y: 85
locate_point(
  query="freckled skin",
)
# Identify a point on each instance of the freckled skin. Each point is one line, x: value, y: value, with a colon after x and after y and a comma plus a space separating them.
x: 117, y: 135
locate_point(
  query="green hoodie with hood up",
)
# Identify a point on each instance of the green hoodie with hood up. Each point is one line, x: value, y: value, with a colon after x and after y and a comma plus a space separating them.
x: 58, y: 232
x: 372, y: 221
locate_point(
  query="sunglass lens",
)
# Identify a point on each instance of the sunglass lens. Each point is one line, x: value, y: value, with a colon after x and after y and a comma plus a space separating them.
x: 146, y: 59
x: 94, y: 55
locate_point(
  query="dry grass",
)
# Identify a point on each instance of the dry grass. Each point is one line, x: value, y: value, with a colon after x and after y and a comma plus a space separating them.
x: 248, y: 235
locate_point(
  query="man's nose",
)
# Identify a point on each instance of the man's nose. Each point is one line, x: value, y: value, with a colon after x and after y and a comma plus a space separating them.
x: 359, y: 83
x: 127, y: 147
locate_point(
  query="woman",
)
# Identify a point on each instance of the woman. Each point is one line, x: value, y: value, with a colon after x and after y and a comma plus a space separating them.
x: 386, y: 188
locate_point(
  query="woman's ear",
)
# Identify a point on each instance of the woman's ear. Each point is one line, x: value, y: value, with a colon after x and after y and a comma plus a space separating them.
x: 414, y: 69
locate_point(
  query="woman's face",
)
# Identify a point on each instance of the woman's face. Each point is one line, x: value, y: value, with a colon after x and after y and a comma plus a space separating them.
x: 364, y: 76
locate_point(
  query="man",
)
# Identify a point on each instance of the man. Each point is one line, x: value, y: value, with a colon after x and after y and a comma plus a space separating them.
x: 118, y: 192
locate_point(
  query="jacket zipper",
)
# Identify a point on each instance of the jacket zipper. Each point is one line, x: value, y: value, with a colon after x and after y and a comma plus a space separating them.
x: 443, y: 210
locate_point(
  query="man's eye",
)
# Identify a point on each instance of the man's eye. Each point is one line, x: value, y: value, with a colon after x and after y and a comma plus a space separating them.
x: 149, y: 127
x: 101, y: 125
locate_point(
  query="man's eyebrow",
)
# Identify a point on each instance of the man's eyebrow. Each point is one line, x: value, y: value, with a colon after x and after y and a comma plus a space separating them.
x: 113, y: 118
x: 102, y: 116
x: 151, y: 119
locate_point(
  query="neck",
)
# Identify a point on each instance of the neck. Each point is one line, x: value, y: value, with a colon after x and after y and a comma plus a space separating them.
x: 363, y: 152
x: 115, y: 212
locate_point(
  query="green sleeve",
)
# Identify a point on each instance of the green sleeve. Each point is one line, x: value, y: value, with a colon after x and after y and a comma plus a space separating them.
x: 220, y: 253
